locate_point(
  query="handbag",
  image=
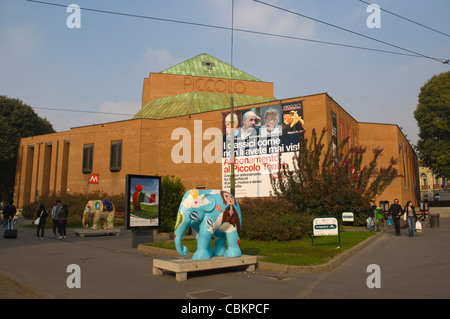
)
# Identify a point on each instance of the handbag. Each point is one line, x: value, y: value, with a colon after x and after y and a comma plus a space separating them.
x: 36, y: 222
x: 418, y: 226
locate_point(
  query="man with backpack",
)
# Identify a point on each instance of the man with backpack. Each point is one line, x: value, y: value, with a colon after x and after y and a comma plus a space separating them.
x: 57, y: 209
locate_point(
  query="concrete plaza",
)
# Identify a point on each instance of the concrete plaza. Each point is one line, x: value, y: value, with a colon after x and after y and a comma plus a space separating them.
x: 410, y: 267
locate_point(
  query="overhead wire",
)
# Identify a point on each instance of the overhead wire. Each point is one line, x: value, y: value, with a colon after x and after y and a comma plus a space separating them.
x: 407, y: 19
x: 349, y: 31
x: 80, y: 111
x: 411, y: 53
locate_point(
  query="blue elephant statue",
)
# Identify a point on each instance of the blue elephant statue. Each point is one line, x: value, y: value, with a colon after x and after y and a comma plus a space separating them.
x: 209, y: 212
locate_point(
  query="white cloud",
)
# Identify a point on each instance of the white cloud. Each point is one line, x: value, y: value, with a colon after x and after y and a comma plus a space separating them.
x: 253, y: 16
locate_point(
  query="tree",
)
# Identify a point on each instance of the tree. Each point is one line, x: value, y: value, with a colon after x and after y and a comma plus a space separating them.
x: 433, y: 118
x: 17, y: 120
x: 332, y: 184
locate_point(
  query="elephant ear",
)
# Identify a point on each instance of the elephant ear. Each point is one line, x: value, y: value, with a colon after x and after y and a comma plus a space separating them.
x: 212, y: 203
x: 98, y: 205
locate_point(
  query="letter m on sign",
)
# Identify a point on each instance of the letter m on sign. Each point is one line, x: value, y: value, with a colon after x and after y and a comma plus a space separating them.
x: 93, y: 179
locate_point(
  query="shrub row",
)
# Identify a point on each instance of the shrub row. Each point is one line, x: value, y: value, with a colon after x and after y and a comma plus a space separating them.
x: 272, y: 219
x: 263, y: 218
x: 172, y: 191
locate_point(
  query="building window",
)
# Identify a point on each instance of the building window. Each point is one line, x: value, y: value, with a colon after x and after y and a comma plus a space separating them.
x: 88, y: 157
x: 115, y: 162
x: 208, y: 65
x: 424, y: 179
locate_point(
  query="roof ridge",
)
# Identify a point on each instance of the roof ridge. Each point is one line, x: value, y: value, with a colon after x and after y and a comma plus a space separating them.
x: 206, y: 65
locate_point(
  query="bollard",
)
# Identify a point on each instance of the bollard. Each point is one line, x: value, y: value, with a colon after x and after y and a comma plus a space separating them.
x: 434, y: 220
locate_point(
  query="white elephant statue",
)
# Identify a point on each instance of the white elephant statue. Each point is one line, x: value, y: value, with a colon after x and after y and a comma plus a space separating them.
x: 97, y: 210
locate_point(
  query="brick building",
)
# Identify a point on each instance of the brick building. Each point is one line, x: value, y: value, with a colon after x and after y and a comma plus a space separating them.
x: 181, y: 130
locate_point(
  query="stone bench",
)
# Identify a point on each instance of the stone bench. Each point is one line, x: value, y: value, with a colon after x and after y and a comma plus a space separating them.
x: 95, y: 232
x: 181, y: 266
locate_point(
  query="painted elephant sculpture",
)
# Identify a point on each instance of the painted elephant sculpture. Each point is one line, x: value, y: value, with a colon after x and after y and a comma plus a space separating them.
x: 99, y: 210
x: 209, y: 213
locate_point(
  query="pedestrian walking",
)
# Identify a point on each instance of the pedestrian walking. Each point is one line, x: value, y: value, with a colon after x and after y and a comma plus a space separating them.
x: 371, y: 216
x: 55, y: 214
x: 62, y: 222
x: 396, y: 212
x: 378, y: 216
x: 411, y: 217
x: 42, y: 215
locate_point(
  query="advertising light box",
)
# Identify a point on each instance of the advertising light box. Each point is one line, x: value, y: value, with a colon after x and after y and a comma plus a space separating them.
x: 143, y: 209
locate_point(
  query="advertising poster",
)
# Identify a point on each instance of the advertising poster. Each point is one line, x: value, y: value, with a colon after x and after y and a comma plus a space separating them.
x: 143, y: 201
x: 342, y: 131
x: 262, y: 138
x: 334, y: 135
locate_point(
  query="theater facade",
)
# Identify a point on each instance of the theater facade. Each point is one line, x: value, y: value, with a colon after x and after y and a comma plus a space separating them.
x: 184, y: 129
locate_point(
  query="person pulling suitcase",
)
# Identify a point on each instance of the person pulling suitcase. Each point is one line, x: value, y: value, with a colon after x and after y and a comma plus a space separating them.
x: 10, y: 232
x: 8, y: 214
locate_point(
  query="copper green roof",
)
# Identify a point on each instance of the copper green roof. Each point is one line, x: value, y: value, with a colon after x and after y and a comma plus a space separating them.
x: 202, y: 65
x: 194, y: 102
x: 208, y: 66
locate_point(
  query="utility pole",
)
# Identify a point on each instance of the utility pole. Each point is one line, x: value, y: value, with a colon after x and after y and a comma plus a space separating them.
x: 232, y: 179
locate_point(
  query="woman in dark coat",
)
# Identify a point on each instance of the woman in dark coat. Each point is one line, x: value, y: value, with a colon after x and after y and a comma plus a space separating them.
x: 42, y: 215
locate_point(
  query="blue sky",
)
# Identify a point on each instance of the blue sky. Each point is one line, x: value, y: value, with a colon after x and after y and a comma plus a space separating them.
x: 101, y: 66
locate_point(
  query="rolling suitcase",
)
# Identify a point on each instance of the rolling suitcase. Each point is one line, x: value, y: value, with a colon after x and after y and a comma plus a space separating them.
x: 10, y: 232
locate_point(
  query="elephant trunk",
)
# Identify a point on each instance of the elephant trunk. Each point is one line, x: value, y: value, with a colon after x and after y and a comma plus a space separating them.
x: 178, y: 237
x: 84, y: 219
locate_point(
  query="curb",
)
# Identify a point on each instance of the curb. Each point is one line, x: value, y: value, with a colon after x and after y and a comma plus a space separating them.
x: 282, y: 268
x: 328, y: 266
x: 22, y: 288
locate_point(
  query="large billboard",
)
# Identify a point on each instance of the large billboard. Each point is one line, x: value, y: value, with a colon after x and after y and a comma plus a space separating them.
x: 263, y: 137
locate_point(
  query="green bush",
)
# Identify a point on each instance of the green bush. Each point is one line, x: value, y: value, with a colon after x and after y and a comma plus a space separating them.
x: 172, y: 189
x: 272, y: 218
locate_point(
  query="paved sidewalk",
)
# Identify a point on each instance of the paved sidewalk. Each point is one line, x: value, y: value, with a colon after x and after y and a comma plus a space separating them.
x: 415, y: 267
